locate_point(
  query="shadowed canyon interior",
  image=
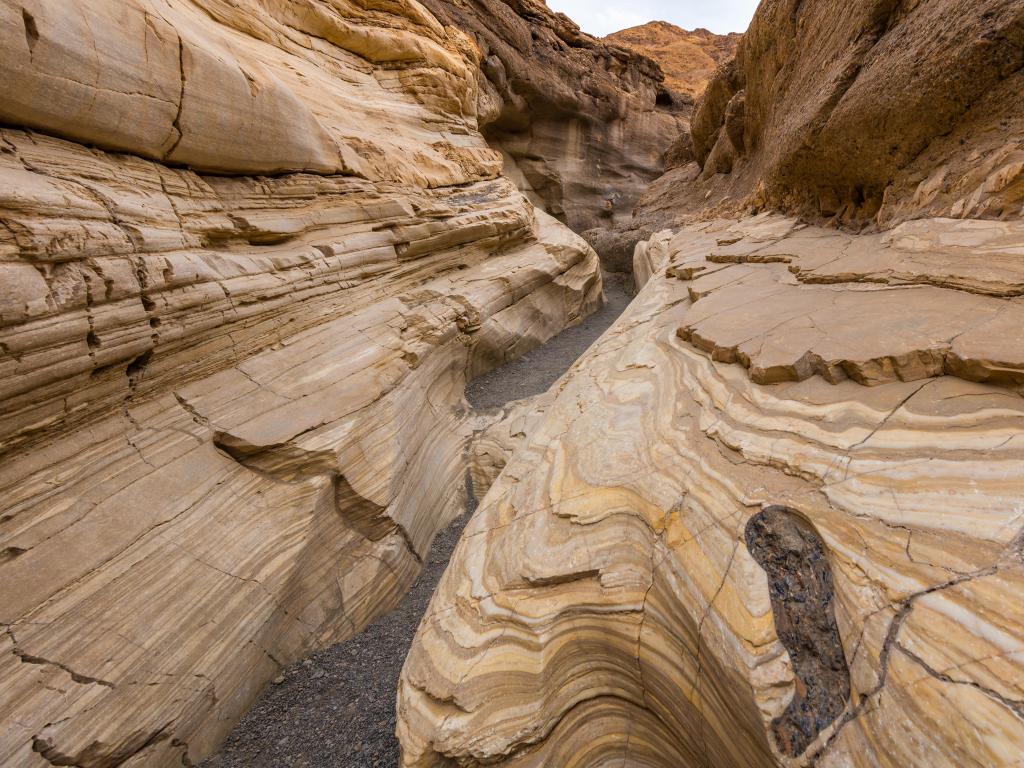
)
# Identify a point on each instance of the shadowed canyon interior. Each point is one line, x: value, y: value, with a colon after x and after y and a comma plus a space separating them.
x: 253, y: 251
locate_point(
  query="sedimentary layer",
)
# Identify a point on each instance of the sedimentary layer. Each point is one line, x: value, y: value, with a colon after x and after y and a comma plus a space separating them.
x: 232, y: 403
x: 752, y: 528
x: 688, y: 58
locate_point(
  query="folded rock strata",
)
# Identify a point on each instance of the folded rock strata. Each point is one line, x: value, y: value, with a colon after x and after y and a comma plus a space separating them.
x: 232, y: 404
x: 708, y: 554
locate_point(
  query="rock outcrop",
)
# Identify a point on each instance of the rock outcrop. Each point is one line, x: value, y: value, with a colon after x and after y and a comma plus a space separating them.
x: 250, y: 254
x: 774, y: 517
x: 878, y: 110
x: 583, y: 125
x: 688, y: 59
x: 621, y: 597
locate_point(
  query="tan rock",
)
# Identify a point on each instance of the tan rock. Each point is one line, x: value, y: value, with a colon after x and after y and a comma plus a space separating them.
x: 582, y: 123
x: 233, y: 415
x: 684, y: 567
x: 688, y: 59
x: 870, y: 111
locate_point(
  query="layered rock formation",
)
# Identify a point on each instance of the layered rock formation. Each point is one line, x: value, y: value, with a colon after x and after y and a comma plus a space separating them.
x: 622, y: 595
x: 251, y: 252
x: 688, y: 59
x: 774, y: 517
x: 583, y: 125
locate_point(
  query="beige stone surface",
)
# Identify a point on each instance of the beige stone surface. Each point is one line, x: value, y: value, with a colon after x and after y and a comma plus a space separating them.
x: 232, y: 404
x: 605, y: 606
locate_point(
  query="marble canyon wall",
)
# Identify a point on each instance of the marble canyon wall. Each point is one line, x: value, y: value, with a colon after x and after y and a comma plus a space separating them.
x: 250, y: 254
x: 869, y: 111
x: 775, y: 516
x: 582, y: 123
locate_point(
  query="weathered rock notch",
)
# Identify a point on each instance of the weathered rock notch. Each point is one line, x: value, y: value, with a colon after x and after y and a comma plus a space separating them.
x: 800, y: 583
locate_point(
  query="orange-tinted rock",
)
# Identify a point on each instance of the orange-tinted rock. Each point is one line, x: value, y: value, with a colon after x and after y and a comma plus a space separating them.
x: 688, y: 59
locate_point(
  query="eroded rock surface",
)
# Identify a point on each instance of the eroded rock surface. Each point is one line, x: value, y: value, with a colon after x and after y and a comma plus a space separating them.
x: 233, y: 415
x: 688, y: 59
x: 875, y: 110
x: 685, y: 566
x: 582, y: 124
x: 774, y: 517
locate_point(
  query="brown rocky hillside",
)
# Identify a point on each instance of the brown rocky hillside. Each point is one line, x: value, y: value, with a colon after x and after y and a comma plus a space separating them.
x: 689, y: 59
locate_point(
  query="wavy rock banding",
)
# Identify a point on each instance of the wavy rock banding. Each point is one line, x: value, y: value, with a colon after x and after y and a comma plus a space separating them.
x: 250, y: 255
x: 773, y: 517
x: 604, y: 605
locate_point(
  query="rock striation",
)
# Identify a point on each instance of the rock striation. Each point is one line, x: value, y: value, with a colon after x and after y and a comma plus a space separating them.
x: 582, y: 124
x: 774, y: 516
x: 250, y: 254
x: 629, y: 598
x: 688, y: 59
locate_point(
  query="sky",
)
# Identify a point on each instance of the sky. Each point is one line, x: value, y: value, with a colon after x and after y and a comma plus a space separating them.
x: 602, y: 17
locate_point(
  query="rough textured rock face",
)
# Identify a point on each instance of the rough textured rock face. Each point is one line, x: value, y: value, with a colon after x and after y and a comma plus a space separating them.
x: 721, y: 547
x: 232, y: 404
x: 688, y: 59
x: 875, y: 109
x: 774, y: 517
x: 583, y: 125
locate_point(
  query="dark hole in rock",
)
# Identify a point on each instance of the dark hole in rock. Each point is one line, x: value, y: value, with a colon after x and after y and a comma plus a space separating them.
x: 664, y: 99
x: 31, y: 30
x: 802, y: 593
x: 137, y: 368
x: 9, y: 553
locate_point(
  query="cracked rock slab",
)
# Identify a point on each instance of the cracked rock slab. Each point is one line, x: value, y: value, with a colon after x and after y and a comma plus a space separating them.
x: 605, y: 606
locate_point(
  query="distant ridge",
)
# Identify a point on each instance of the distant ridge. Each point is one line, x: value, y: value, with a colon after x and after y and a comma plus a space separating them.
x: 687, y: 58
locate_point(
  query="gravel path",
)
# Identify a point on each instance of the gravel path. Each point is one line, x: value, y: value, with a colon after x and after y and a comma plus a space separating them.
x: 336, y: 709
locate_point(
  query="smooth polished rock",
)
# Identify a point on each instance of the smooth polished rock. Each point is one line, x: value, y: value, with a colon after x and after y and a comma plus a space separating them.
x: 233, y: 413
x: 631, y: 590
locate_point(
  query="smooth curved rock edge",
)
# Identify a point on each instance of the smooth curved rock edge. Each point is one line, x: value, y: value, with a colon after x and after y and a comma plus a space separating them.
x: 233, y: 414
x: 603, y: 608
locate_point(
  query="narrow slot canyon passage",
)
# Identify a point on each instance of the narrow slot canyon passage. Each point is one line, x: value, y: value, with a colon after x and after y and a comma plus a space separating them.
x: 337, y: 707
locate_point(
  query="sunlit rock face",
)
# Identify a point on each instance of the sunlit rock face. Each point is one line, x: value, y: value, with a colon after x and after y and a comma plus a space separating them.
x: 250, y: 254
x: 583, y: 124
x: 774, y: 517
x: 753, y: 528
x: 688, y: 58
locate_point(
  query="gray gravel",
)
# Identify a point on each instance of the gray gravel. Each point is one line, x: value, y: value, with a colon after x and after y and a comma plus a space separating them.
x: 336, y: 709
x: 536, y: 371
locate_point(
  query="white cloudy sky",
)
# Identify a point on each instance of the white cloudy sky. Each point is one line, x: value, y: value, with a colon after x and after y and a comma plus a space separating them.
x: 601, y: 17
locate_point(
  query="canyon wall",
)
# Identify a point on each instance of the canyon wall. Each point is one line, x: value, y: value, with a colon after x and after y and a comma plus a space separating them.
x: 869, y: 111
x: 774, y: 516
x: 250, y: 254
x: 583, y: 125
